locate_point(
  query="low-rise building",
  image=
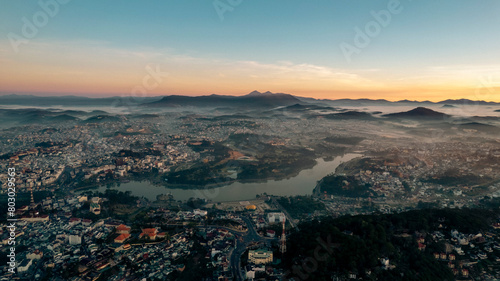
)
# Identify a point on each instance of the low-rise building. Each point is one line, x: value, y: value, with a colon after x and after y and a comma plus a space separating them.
x: 260, y: 256
x: 122, y: 237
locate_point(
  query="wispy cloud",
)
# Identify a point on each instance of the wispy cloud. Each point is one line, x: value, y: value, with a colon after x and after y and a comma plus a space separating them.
x: 94, y: 58
x: 99, y: 67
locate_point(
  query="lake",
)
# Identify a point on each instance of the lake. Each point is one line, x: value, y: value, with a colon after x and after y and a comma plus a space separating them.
x: 302, y: 184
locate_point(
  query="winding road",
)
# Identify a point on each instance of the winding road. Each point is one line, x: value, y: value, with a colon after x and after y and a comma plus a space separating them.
x: 251, y: 236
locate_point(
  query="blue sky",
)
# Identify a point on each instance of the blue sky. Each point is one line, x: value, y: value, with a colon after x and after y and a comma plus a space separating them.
x: 435, y: 47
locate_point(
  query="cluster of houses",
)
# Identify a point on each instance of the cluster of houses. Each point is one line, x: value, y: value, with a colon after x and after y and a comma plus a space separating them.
x: 463, y: 251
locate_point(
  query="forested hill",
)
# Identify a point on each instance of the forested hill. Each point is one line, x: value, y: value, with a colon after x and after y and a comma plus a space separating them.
x: 358, y: 245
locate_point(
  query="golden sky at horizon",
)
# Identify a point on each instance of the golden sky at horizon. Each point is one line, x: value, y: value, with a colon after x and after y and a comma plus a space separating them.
x: 94, y: 69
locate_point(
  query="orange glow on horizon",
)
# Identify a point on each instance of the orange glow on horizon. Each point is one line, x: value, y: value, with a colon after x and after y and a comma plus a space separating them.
x: 99, y: 72
x: 394, y: 95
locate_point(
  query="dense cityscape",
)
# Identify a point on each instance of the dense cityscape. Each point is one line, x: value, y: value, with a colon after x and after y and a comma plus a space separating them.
x: 73, y: 221
x: 232, y: 140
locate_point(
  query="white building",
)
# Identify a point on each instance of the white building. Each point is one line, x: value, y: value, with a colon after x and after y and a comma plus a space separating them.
x: 276, y: 218
x: 260, y: 256
x: 200, y: 212
x: 251, y: 274
x: 75, y: 240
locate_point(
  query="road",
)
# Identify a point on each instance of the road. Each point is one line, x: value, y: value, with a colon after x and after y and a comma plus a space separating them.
x: 251, y: 236
x: 247, y: 237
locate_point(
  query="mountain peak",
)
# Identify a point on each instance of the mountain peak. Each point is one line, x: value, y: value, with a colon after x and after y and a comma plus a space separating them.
x: 418, y: 112
x: 425, y: 111
x: 257, y: 93
x: 254, y: 93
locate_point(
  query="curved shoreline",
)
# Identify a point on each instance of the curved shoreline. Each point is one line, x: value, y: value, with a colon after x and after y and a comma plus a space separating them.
x: 195, y: 186
x: 302, y: 183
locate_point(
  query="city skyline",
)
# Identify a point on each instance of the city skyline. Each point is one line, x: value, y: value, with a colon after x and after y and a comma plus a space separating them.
x: 390, y: 50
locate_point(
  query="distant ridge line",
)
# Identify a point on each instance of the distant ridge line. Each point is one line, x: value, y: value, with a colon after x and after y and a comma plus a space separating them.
x: 23, y: 98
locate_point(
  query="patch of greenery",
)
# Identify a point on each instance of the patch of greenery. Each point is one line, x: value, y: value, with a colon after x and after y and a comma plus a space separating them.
x: 347, y: 186
x: 277, y: 162
x: 199, y: 175
x: 344, y: 140
x: 301, y: 206
x: 453, y: 177
x: 355, y: 244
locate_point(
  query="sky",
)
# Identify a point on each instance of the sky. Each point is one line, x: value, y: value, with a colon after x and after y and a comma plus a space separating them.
x: 378, y: 49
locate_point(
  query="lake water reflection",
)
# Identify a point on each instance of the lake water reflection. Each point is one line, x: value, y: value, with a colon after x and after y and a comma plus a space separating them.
x: 302, y: 184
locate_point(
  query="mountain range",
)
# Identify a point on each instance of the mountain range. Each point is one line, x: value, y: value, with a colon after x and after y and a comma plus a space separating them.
x: 31, y: 100
x: 435, y: 119
x: 253, y: 99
